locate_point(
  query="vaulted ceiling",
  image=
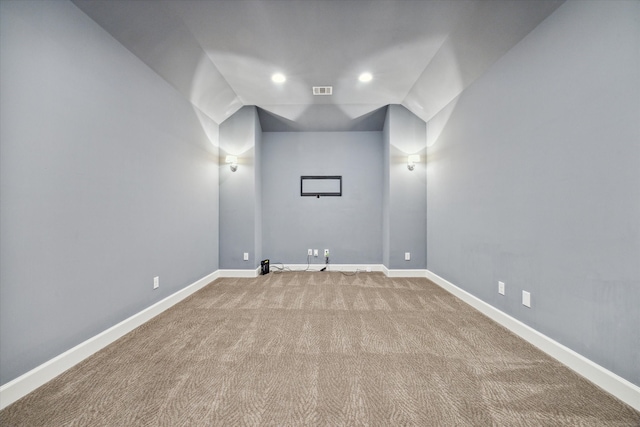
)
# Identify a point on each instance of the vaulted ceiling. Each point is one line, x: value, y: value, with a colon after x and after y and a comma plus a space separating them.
x: 221, y: 54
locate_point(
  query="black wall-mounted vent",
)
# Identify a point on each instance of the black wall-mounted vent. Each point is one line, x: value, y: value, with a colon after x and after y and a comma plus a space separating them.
x: 321, y: 185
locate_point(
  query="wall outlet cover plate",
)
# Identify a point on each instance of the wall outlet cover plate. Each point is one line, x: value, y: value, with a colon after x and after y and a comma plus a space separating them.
x: 526, y: 299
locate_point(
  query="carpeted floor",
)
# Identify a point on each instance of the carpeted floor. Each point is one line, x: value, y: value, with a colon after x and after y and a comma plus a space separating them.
x: 296, y: 349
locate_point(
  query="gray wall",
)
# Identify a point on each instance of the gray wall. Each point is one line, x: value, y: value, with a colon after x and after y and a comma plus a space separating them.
x: 535, y: 181
x: 107, y: 179
x: 405, y: 191
x: 349, y: 226
x: 240, y: 211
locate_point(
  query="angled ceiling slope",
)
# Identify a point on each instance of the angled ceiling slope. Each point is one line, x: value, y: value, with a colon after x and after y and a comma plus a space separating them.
x: 220, y: 55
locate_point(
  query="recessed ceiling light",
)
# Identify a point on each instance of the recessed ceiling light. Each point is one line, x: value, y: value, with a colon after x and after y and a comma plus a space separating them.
x: 365, y: 77
x: 278, y: 78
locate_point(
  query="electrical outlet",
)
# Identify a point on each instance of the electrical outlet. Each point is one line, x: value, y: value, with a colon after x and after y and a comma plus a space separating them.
x: 309, y: 252
x: 501, y: 288
x: 315, y: 252
x: 407, y: 256
x: 156, y: 282
x: 246, y: 256
x: 326, y: 253
x: 526, y: 299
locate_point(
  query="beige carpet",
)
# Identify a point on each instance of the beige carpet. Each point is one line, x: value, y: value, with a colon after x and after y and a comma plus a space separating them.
x: 296, y: 349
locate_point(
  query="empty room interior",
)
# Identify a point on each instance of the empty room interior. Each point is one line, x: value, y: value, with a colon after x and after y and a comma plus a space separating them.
x: 446, y: 195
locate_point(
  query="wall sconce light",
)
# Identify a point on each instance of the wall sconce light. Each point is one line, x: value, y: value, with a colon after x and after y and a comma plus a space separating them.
x: 234, y: 162
x: 412, y: 160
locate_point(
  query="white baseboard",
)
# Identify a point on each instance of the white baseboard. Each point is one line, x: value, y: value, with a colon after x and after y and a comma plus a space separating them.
x: 406, y: 273
x: 603, y: 378
x: 26, y: 383
x: 351, y: 268
x: 607, y: 380
x: 362, y: 268
x: 240, y: 273
x: 354, y: 267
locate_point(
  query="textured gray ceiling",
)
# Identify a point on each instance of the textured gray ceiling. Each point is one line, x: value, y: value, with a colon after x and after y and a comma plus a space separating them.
x: 221, y: 54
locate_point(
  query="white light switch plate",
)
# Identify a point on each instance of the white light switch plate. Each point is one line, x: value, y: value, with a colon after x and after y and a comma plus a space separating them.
x: 501, y: 288
x: 407, y: 256
x: 246, y: 256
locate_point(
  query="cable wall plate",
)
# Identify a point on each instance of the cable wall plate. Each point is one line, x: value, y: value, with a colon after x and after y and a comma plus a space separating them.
x: 321, y: 185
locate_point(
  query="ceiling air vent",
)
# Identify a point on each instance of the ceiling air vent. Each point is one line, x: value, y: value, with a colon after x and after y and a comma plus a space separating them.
x: 322, y: 90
